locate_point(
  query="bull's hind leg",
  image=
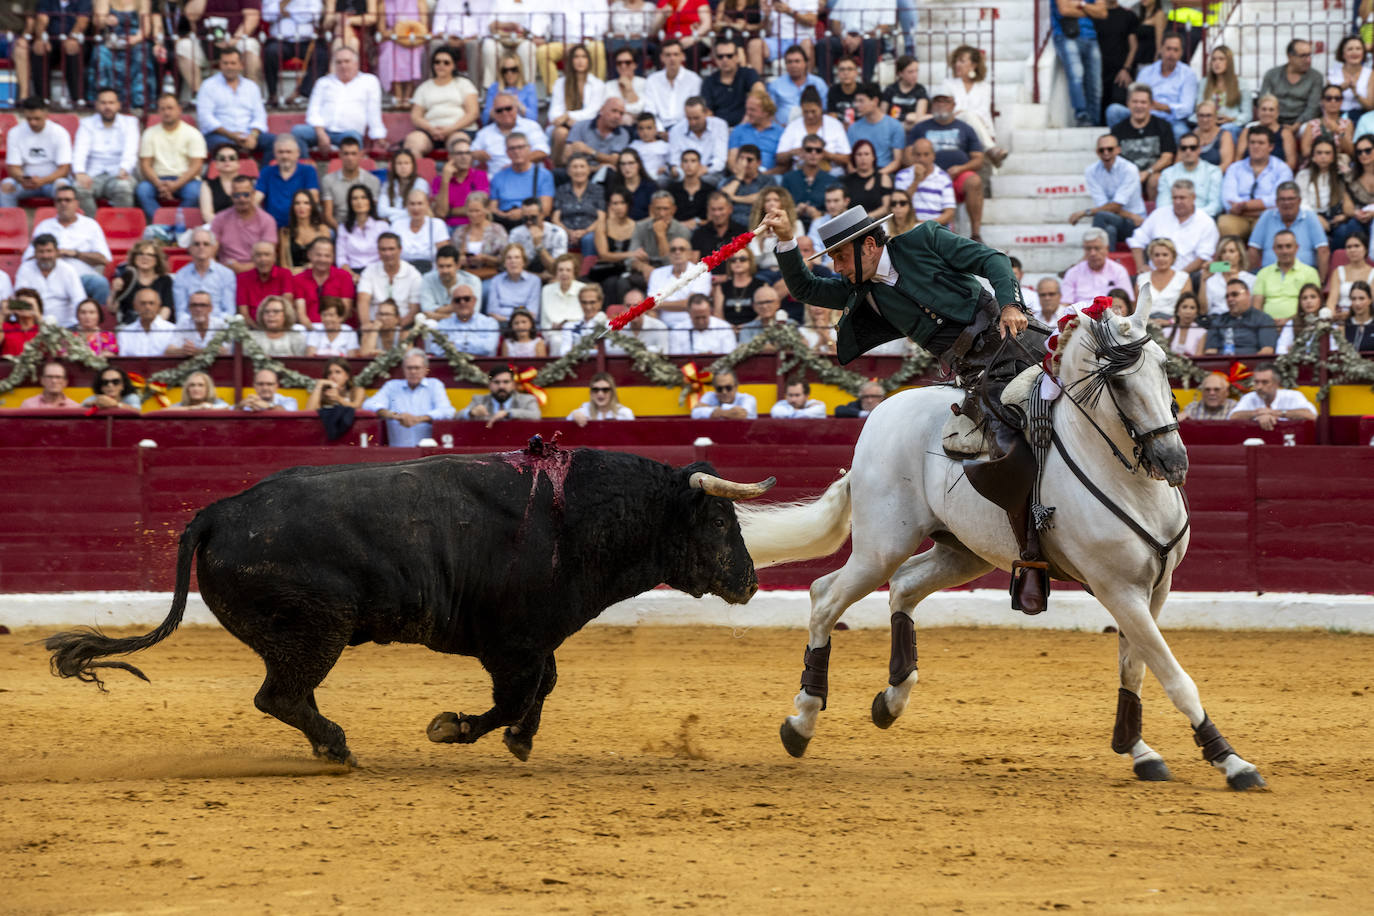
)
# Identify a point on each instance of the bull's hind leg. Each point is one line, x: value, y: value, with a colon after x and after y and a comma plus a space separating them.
x: 515, y: 685
x: 288, y: 693
x: 943, y: 566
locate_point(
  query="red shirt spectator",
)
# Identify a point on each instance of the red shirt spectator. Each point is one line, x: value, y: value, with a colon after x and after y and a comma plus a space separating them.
x: 306, y: 288
x: 253, y: 287
x: 15, y: 338
x: 683, y: 16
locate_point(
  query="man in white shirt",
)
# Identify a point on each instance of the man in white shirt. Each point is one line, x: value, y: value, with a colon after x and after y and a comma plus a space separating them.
x: 266, y: 397
x: 230, y: 110
x: 666, y: 91
x: 1266, y: 403
x: 146, y: 335
x: 105, y: 156
x: 411, y: 405
x: 645, y: 328
x: 1114, y: 186
x: 725, y: 401
x: 674, y: 311
x: 703, y: 333
x: 345, y: 103
x: 389, y: 278
x: 1193, y: 232
x: 489, y: 146
x: 38, y: 155
x: 468, y: 329
x: 81, y: 243
x: 591, y: 321
x: 701, y: 131
x: 195, y: 329
x: 56, y: 282
x: 797, y: 404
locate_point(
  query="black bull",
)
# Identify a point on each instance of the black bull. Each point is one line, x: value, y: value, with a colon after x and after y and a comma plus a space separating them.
x: 501, y: 557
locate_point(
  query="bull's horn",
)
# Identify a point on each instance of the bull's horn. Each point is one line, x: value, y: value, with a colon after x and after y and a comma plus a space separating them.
x: 719, y: 486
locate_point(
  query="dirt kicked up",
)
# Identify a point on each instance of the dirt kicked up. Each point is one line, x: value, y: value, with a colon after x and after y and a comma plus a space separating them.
x: 657, y: 782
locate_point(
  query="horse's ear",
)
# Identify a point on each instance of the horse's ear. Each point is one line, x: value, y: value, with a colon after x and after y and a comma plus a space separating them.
x: 1142, y: 308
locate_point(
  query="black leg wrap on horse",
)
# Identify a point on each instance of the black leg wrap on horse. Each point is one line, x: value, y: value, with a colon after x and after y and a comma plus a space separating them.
x: 1208, y: 737
x: 1128, y: 721
x: 816, y: 670
x: 903, y: 660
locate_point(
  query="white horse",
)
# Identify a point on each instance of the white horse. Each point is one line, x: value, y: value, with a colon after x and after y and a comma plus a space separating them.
x: 1123, y: 542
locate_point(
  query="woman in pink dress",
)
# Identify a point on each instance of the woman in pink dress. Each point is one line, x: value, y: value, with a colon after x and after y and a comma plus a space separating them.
x: 401, y: 60
x: 89, y: 317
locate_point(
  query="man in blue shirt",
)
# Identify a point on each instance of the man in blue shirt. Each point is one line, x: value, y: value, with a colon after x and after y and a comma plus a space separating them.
x: 411, y: 406
x: 1114, y: 186
x: 1174, y: 86
x: 519, y: 181
x: 1249, y: 185
x: 758, y: 129
x: 958, y: 151
x: 278, y: 184
x: 1291, y: 216
x: 230, y: 110
x: 875, y: 126
x: 1075, y: 41
x: 468, y: 329
x: 786, y: 89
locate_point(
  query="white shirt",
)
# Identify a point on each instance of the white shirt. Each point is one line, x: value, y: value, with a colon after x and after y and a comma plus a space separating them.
x: 712, y: 145
x: 719, y: 337
x: 811, y: 410
x: 1284, y: 399
x: 1195, y: 237
x: 393, y: 210
x: 457, y: 19
x: 492, y: 141
x: 355, y: 105
x: 134, y: 341
x: 420, y: 244
x: 666, y: 99
x: 346, y: 340
x: 187, y: 333
x: 557, y: 307
x: 61, y: 290
x: 39, y: 153
x: 573, y: 332
x: 621, y: 412
x: 6, y: 287
x: 403, y: 288
x: 710, y: 401
x: 83, y: 235
x: 106, y: 149
x: 300, y: 22
x: 832, y: 134
x: 593, y: 94
x: 659, y: 281
x: 651, y: 332
x: 631, y: 108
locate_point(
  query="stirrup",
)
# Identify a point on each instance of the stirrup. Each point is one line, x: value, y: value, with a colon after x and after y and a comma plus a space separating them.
x: 1040, y: 569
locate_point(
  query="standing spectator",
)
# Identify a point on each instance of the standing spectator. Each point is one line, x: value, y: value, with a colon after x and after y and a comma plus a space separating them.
x: 957, y: 151
x: 292, y: 29
x: 906, y: 100
x: 691, y: 193
x: 931, y: 189
x: 704, y: 333
x: 230, y: 110
x: 797, y: 403
x: 522, y: 180
x: 514, y: 288
x: 1119, y: 47
x: 972, y: 95
x: 675, y: 312
x: 360, y: 231
x: 105, y: 156
x: 242, y: 227
x: 489, y: 147
x: 1267, y: 118
x: 558, y: 302
x: 334, y: 189
x: 458, y: 179
x: 53, y: 377
x: 759, y: 131
x: 1205, y: 177
x: 702, y: 132
x: 445, y: 104
x: 58, y: 287
x: 1147, y: 140
x: 590, y: 320
x: 1297, y: 86
x: 1212, y: 402
x: 786, y: 89
x: 205, y: 273
x: 420, y: 231
x: 278, y: 184
x: 1192, y: 232
x: 1222, y: 90
x: 466, y: 328
x: 1242, y: 328
x: 304, y: 225
x: 602, y: 403
x: 502, y: 401
x: 195, y: 329
x: 411, y: 406
x: 725, y: 90
x: 263, y: 278
x: 1096, y: 274
x: 437, y: 286
x: 666, y: 91
x: 874, y: 125
x: 147, y: 269
x: 1277, y: 286
x: 266, y: 397
x: 389, y: 278
x: 1250, y: 185
x: 542, y: 240
x: 147, y: 334
x: 814, y: 120
x: 1289, y: 214
x: 344, y: 103
x: 321, y: 281
x: 1266, y: 403
x: 725, y: 401
x: 1073, y: 31
x: 81, y: 243
x: 1115, y: 188
x: 1173, y: 87
x: 38, y: 155
x: 807, y: 183
x: 170, y: 156
x: 401, y: 58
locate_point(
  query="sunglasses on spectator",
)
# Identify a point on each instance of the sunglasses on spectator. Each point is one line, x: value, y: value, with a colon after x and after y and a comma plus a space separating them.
x: 628, y: 62
x: 1189, y: 146
x: 443, y: 60
x: 1364, y: 149
x: 725, y: 387
x: 230, y: 158
x: 242, y: 195
x: 813, y: 149
x: 111, y: 381
x: 1106, y: 149
x: 602, y: 388
x: 463, y: 298
x: 1331, y: 98
x: 503, y: 109
x: 510, y: 69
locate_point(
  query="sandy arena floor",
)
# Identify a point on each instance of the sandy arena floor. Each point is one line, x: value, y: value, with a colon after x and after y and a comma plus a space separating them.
x: 658, y: 782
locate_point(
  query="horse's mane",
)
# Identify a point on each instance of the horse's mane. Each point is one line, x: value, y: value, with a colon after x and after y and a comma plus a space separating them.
x: 1111, y: 354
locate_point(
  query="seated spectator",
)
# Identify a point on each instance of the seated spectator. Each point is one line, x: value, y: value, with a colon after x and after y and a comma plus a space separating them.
x: 521, y: 339
x: 1185, y: 336
x: 543, y: 241
x: 836, y: 202
x: 89, y: 317
x: 1075, y: 43
x: 385, y: 333
x: 615, y: 260
x: 445, y: 104
x: 112, y: 390
x: 230, y: 110
x: 1191, y: 233
x: 972, y: 94
x: 1216, y: 144
x: 797, y: 403
x: 292, y: 27
x: 652, y: 151
x: 147, y: 269
x: 906, y: 99
x: 1329, y: 125
x: 1114, y: 185
x: 644, y: 327
x: 808, y: 182
x: 1147, y: 140
x: 217, y: 193
x: 81, y: 243
x: 718, y: 228
x: 871, y: 394
x: 518, y: 182
x: 558, y: 301
x: 466, y: 328
x: 437, y: 286
x: 359, y: 231
x: 764, y: 247
x: 1231, y: 254
x: 701, y: 333
x: 634, y: 182
x: 420, y: 231
x: 819, y: 332
x: 205, y: 273
x: 1173, y: 87
x: 1359, y: 324
x: 343, y: 103
x: 279, y: 184
x: 335, y: 187
x: 600, y: 139
x: 334, y: 339
x: 725, y: 90
x: 839, y: 101
x: 734, y: 298
x: 1267, y: 119
x: 410, y: 406
x: 336, y: 388
x: 1242, y: 328
x: 1323, y: 192
x: 591, y: 321
x: 57, y: 284
x: 321, y: 280
x: 674, y: 312
x: 1205, y: 177
x: 650, y: 242
x: 864, y: 184
x: 853, y: 23
x: 277, y: 333
x: 458, y: 179
x: 242, y: 228
x: 1276, y: 286
x: 21, y: 324
x: 1096, y: 273
x: 514, y: 288
x: 666, y: 91
x: 927, y: 187
x: 1295, y: 84
x: 401, y: 179
x: 195, y: 329
x: 146, y: 335
x: 743, y: 186
x: 813, y: 121
x: 502, y: 401
x: 759, y: 132
x: 489, y: 146
x: 628, y: 87
x: 786, y: 89
x: 1309, y: 313
x: 706, y: 134
x: 105, y: 155
x: 958, y: 151
x: 198, y: 393
x: 1266, y: 403
x: 1250, y: 184
x: 480, y: 241
x: 1213, y: 402
x: 576, y: 206
x: 575, y: 96
x: 1357, y: 267
x: 1290, y: 215
x: 1028, y: 293
x: 266, y: 398
x: 510, y: 80
x: 766, y: 315
x: 389, y: 278
x: 602, y: 402
x: 170, y: 156
x: 1050, y: 294
x: 882, y: 131
x: 38, y: 155
x: 725, y: 401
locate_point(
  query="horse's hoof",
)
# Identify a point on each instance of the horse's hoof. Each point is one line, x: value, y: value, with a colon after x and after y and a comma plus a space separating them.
x: 792, y: 739
x: 1152, y: 769
x: 1247, y: 779
x: 449, y: 728
x: 881, y: 717
x: 517, y: 745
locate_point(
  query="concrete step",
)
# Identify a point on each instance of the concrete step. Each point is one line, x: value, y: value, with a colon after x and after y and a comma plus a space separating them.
x: 1061, y: 139
x: 1049, y: 211
x: 1037, y: 259
x: 1011, y: 184
x: 1055, y: 163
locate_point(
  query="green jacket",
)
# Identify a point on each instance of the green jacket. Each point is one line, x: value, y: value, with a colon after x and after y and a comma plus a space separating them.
x: 936, y: 288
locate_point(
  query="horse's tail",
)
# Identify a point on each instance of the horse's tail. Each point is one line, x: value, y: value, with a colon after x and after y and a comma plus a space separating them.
x: 74, y: 652
x: 803, y: 530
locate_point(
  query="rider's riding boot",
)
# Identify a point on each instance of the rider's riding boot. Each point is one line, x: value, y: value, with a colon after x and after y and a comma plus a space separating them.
x: 1030, y: 577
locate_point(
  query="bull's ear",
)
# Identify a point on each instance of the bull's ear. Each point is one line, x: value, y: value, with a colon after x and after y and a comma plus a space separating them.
x: 719, y: 486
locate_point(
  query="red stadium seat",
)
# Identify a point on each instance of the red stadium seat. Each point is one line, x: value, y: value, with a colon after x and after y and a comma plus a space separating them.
x: 14, y: 229
x: 588, y: 262
x: 9, y: 263
x: 177, y: 258
x: 397, y: 124
x: 426, y: 168
x: 7, y: 121
x: 69, y: 122
x: 121, y: 222
x: 281, y: 122
x: 42, y: 211
x: 1124, y: 259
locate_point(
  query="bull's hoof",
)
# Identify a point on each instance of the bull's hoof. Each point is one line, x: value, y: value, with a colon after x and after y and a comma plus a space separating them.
x: 881, y: 717
x: 517, y: 744
x: 792, y: 740
x: 1247, y: 779
x: 450, y: 728
x: 344, y: 756
x: 1152, y: 769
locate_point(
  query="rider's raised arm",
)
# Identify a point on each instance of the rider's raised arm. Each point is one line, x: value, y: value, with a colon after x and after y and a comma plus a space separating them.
x: 806, y: 286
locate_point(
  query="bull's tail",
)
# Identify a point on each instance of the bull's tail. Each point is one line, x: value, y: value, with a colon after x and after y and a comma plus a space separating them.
x: 74, y: 652
x: 796, y: 531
